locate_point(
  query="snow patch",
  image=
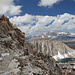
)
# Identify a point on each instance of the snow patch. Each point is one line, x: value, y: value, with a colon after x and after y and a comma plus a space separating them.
x: 65, y: 55
x: 42, y: 36
x: 5, y: 54
x: 69, y: 53
x: 59, y: 56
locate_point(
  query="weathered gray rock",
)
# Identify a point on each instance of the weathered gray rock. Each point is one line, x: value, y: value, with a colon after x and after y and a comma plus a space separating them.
x: 15, y: 58
x: 55, y: 49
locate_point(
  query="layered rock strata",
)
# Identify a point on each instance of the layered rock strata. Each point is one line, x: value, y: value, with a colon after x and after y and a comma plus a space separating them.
x: 56, y: 49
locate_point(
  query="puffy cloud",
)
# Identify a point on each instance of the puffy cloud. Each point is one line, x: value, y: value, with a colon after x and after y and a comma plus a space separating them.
x: 9, y: 8
x: 22, y: 19
x: 48, y: 2
x: 31, y: 24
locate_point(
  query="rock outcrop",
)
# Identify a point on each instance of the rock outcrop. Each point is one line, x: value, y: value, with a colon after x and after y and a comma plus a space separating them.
x: 15, y: 56
x: 10, y: 36
x: 55, y: 49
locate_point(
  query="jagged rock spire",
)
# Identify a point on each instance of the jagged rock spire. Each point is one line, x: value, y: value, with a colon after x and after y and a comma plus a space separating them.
x: 3, y: 17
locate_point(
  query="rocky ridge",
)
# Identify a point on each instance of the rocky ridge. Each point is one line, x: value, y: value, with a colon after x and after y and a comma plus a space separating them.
x: 56, y: 49
x: 10, y: 36
x: 55, y: 36
x: 15, y: 56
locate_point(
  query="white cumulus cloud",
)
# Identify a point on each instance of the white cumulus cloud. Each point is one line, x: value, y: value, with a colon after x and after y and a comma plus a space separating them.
x: 34, y: 24
x: 8, y: 7
x: 48, y: 2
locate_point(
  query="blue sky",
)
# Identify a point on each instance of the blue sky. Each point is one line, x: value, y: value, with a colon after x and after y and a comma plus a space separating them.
x: 37, y: 16
x: 31, y: 7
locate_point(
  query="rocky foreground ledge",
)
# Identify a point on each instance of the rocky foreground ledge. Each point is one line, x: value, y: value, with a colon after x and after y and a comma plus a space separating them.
x: 15, y: 55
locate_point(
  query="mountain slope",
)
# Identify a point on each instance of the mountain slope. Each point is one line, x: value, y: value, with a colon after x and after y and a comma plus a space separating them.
x: 15, y: 57
x: 55, y: 49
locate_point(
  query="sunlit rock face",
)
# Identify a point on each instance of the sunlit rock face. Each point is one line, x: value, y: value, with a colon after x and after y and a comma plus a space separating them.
x: 10, y: 36
x: 17, y: 58
x: 55, y: 49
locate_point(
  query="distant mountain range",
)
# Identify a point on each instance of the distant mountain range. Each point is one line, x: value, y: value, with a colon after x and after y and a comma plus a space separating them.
x: 59, y: 36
